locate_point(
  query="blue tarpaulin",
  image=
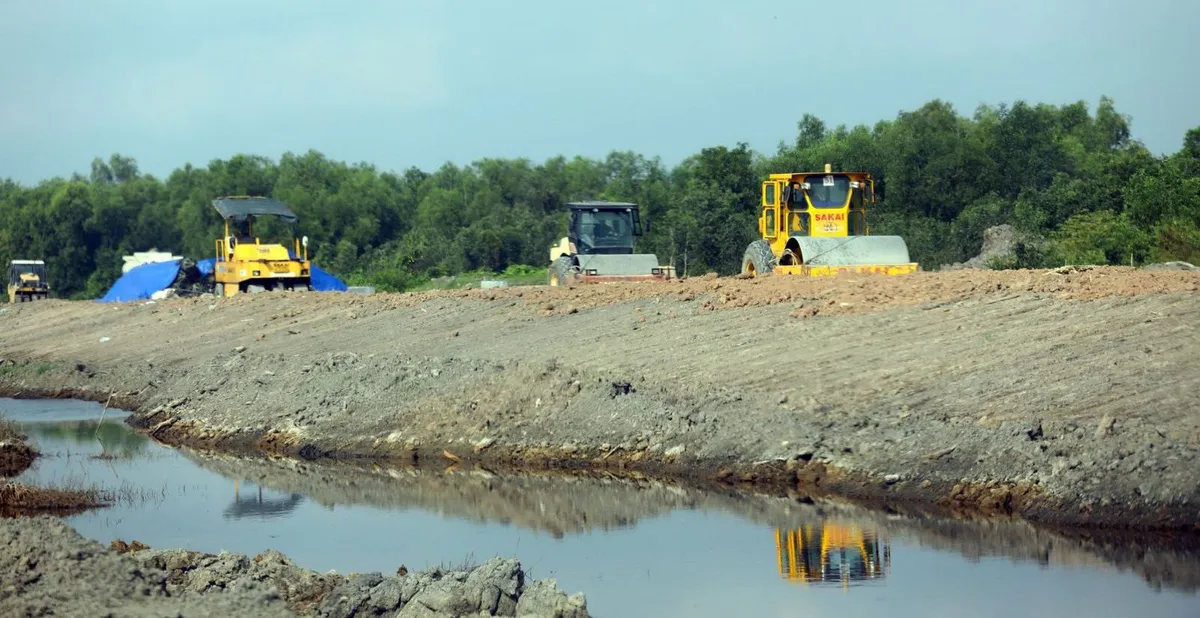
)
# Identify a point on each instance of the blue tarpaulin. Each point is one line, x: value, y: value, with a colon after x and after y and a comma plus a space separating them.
x: 322, y: 281
x: 142, y: 281
x: 206, y: 266
x: 325, y: 282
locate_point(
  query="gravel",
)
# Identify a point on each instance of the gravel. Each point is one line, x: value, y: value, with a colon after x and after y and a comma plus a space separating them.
x: 49, y: 569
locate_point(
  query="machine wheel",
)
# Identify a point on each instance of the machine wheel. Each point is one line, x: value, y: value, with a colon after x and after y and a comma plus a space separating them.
x: 561, y: 272
x: 758, y: 261
x: 254, y: 288
x: 219, y: 290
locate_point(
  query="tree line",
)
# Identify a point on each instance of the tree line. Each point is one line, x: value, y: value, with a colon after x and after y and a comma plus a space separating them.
x: 1072, y: 183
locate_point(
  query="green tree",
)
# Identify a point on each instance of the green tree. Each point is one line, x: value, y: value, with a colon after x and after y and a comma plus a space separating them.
x: 1101, y: 237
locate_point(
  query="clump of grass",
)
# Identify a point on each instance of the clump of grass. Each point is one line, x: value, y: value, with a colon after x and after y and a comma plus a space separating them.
x: 132, y: 495
x: 467, y: 564
x: 9, y: 431
x: 19, y: 499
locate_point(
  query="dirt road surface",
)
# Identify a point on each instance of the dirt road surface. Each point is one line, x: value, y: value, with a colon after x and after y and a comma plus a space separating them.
x: 1065, y: 396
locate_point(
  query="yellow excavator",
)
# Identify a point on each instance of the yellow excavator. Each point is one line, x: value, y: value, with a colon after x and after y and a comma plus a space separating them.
x: 244, y: 263
x: 831, y: 552
x: 27, y: 281
x: 815, y: 224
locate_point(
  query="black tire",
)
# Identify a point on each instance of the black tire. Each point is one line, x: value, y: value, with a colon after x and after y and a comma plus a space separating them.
x: 758, y: 261
x: 562, y: 272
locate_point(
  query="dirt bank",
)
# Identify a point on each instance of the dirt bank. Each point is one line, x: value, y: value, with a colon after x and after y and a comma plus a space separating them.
x: 49, y: 568
x: 1067, y: 396
x: 16, y: 454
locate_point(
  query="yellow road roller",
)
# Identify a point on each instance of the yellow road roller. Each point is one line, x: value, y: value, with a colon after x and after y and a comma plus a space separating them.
x: 815, y: 224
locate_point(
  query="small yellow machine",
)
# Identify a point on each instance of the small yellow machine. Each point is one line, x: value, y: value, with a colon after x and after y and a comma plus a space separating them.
x: 27, y: 281
x: 815, y: 224
x: 245, y: 263
x: 831, y: 552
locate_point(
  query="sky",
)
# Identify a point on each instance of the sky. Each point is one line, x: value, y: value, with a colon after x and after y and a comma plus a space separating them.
x: 421, y: 83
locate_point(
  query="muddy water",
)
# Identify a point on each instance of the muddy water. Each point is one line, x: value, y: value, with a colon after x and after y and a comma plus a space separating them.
x: 642, y: 549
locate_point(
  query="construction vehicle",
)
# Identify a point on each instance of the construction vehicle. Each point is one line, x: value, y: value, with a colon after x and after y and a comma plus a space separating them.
x: 27, y: 281
x: 598, y: 247
x: 831, y: 552
x: 245, y: 263
x: 815, y: 224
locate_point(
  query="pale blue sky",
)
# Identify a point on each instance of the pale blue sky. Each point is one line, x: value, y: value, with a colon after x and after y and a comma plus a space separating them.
x: 423, y: 82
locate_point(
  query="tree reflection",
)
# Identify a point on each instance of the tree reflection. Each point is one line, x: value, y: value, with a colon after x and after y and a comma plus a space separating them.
x: 114, y: 437
x: 263, y: 508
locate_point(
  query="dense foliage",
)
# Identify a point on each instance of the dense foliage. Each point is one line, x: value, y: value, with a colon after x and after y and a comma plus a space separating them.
x: 1071, y: 182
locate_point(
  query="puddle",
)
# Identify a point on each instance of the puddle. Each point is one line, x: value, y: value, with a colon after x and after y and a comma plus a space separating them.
x: 635, y: 549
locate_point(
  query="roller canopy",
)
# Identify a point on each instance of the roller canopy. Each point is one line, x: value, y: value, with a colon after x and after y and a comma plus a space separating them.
x: 242, y: 207
x: 852, y: 250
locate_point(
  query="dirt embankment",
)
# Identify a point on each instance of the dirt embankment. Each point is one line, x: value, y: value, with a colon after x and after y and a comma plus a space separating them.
x: 49, y: 568
x: 1066, y: 396
x: 16, y: 454
x: 570, y: 504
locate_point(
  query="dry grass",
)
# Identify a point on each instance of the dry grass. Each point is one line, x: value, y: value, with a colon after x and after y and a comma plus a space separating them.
x: 18, y: 499
x: 9, y: 432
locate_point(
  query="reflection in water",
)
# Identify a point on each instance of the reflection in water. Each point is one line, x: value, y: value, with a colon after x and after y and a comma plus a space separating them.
x: 113, y: 436
x: 268, y: 508
x: 832, y: 551
x: 620, y: 542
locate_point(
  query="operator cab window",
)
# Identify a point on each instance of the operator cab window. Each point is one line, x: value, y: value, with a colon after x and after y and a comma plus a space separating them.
x: 828, y: 190
x: 605, y: 229
x: 798, y: 201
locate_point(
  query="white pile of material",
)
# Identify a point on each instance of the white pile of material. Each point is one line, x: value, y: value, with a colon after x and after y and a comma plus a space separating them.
x: 146, y: 257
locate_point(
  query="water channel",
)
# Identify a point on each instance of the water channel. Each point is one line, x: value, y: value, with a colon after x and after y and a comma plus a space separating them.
x: 635, y: 549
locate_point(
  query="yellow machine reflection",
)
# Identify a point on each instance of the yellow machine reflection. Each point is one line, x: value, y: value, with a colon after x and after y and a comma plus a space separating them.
x: 832, y: 552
